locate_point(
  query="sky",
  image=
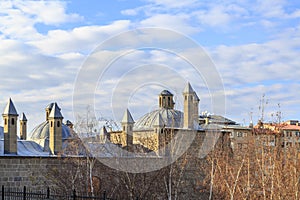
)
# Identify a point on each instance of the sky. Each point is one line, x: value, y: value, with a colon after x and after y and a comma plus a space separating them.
x: 254, y: 45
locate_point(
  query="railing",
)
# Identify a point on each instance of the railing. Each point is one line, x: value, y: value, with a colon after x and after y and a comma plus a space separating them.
x: 27, y: 194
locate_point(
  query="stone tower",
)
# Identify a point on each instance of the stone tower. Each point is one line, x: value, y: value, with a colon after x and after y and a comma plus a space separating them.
x: 127, y: 129
x: 166, y: 100
x: 55, y: 133
x: 23, y: 127
x: 10, y: 117
x: 191, y: 104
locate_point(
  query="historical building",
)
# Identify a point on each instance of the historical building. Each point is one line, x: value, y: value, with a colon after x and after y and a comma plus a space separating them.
x: 154, y: 130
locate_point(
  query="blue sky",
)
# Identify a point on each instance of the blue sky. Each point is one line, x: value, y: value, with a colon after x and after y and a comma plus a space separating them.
x: 255, y: 46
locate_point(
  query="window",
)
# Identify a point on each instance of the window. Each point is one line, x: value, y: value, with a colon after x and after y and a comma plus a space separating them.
x: 51, y: 124
x: 5, y: 121
x: 58, y: 123
x: 123, y: 128
x: 12, y: 121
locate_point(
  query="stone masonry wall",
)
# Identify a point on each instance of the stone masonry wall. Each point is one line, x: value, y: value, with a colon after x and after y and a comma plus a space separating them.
x: 16, y: 172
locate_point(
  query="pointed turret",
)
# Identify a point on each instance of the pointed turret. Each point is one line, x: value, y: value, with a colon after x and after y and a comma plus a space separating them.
x: 10, y: 117
x: 23, y: 127
x: 48, y: 110
x: 127, y: 132
x: 10, y: 108
x: 191, y: 107
x: 127, y: 118
x: 104, y: 135
x: 188, y: 88
x: 55, y: 138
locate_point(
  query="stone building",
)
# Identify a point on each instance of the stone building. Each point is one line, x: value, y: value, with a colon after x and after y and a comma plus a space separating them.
x: 153, y: 130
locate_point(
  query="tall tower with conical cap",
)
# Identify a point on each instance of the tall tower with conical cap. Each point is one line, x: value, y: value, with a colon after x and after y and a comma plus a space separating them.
x: 55, y: 133
x: 23, y: 127
x: 191, y: 104
x: 127, y: 129
x: 10, y: 117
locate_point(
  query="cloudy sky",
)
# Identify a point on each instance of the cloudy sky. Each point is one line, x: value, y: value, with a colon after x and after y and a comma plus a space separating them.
x: 254, y: 46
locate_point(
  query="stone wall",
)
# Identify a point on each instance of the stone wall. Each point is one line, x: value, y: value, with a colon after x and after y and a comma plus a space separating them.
x: 17, y: 171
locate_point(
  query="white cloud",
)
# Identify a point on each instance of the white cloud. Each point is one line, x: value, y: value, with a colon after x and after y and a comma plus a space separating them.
x: 80, y: 39
x: 18, y: 18
x: 174, y: 22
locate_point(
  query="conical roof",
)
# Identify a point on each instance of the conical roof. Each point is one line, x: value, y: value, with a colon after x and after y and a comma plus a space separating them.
x: 127, y: 118
x: 55, y: 112
x: 10, y: 108
x: 188, y: 88
x: 23, y: 117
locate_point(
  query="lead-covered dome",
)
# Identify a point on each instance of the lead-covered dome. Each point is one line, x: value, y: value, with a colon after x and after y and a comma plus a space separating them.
x: 42, y: 131
x: 170, y: 118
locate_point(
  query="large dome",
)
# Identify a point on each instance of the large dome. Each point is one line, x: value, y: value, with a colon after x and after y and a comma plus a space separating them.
x: 42, y: 131
x: 170, y: 117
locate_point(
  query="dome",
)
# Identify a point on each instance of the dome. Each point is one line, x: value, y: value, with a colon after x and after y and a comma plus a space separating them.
x: 166, y: 93
x: 42, y: 131
x: 170, y: 117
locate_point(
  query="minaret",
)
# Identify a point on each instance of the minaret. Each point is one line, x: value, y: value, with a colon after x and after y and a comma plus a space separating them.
x: 166, y: 100
x: 127, y: 125
x: 55, y: 125
x: 189, y: 107
x: 23, y: 127
x: 10, y: 117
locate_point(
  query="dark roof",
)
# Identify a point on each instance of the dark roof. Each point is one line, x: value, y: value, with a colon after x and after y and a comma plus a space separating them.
x: 166, y: 93
x: 23, y: 117
x: 55, y: 112
x: 10, y: 108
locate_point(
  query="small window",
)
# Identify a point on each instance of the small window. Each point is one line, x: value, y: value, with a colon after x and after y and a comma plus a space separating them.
x: 123, y: 128
x: 12, y: 121
x: 58, y: 123
x: 240, y: 134
x: 5, y: 121
x: 185, y: 98
x: 51, y: 124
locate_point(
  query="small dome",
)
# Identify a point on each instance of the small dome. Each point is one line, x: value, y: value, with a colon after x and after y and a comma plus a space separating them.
x: 170, y: 117
x: 42, y: 131
x: 166, y: 93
